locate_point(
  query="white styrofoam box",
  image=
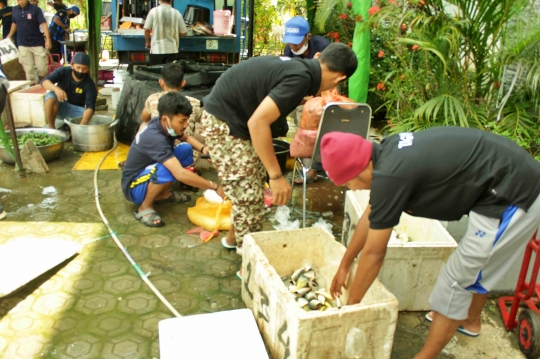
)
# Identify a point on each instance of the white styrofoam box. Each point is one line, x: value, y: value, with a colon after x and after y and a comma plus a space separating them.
x: 289, y: 331
x: 229, y: 334
x: 27, y: 106
x: 410, y: 269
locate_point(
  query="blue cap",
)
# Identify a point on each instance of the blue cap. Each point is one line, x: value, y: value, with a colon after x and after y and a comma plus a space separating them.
x: 75, y: 9
x: 295, y: 30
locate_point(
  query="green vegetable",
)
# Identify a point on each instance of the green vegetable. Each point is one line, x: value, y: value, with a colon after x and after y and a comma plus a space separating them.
x: 39, y: 139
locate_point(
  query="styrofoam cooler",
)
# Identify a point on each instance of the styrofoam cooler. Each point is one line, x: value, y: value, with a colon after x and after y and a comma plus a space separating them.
x: 410, y: 269
x: 28, y: 107
x: 222, y: 22
x: 364, y: 330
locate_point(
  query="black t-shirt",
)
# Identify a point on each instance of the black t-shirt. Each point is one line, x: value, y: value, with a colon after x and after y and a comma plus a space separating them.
x: 79, y: 93
x: 315, y: 44
x: 239, y: 91
x: 445, y: 172
x: 28, y: 21
x: 152, y: 145
x: 5, y: 15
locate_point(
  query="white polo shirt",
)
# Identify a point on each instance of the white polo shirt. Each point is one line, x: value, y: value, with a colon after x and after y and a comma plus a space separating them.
x: 166, y: 24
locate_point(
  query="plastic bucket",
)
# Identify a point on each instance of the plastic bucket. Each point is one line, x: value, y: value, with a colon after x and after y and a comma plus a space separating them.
x: 95, y: 136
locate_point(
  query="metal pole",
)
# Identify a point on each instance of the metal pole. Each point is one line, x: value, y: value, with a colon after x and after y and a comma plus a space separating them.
x: 251, y: 25
x: 11, y: 125
x: 93, y: 20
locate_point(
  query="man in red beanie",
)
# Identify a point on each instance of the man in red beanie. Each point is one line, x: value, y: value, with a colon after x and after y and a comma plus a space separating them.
x: 441, y: 173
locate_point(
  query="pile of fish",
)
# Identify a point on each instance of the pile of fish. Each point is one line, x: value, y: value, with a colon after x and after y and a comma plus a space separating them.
x: 309, y: 296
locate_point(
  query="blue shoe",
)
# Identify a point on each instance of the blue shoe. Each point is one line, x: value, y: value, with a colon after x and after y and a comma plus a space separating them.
x: 459, y: 329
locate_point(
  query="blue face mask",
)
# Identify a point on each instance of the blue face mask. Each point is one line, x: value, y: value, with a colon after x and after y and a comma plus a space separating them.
x: 170, y: 131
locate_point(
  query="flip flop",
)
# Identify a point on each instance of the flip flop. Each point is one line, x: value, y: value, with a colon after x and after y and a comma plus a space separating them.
x: 226, y: 245
x: 175, y: 197
x: 459, y: 329
x: 308, y: 181
x: 238, y: 276
x: 148, y: 220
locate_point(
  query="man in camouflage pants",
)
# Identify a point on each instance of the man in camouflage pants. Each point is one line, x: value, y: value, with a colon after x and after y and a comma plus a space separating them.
x: 248, y: 107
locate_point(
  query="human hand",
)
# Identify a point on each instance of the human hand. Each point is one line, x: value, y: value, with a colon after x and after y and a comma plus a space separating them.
x: 338, y: 282
x: 281, y: 191
x: 83, y: 122
x: 220, y: 191
x: 61, y: 95
x: 48, y: 44
x: 205, y: 150
x: 147, y: 45
x: 67, y: 29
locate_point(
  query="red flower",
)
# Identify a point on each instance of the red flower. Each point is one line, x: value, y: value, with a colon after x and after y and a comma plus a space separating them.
x: 359, y: 18
x: 415, y: 47
x: 381, y: 86
x: 343, y: 16
x: 350, y: 44
x: 373, y: 10
x: 497, y: 84
x: 391, y: 2
x: 335, y: 35
x: 349, y: 4
x: 403, y: 26
x: 422, y: 2
x: 381, y: 54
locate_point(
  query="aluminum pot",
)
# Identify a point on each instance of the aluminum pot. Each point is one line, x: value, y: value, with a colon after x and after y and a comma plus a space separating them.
x: 49, y: 153
x: 95, y: 136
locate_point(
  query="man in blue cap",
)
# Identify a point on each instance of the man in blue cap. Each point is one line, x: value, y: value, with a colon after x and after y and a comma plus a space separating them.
x: 74, y: 94
x: 300, y: 42
x: 59, y: 28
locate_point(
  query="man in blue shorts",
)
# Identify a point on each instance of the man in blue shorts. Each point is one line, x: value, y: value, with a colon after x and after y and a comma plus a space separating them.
x: 442, y: 173
x: 72, y: 93
x: 153, y: 163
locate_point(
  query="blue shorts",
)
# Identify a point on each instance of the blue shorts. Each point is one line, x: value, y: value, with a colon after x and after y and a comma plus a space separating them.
x: 65, y: 109
x: 159, y: 174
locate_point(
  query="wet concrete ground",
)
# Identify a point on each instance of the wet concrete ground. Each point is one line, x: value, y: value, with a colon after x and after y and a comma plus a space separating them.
x: 96, y: 306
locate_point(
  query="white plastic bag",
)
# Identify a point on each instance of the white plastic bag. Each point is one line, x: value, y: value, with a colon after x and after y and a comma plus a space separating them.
x: 211, y: 196
x: 321, y: 223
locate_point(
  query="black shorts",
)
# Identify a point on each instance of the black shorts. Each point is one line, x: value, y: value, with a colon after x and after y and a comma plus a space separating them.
x: 159, y: 59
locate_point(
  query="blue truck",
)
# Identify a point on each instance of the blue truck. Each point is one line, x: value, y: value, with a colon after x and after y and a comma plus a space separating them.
x: 228, y: 49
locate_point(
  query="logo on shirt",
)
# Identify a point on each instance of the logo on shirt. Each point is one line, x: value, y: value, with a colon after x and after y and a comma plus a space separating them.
x: 405, y: 139
x: 283, y: 58
x: 480, y: 233
x: 78, y: 90
x: 28, y: 16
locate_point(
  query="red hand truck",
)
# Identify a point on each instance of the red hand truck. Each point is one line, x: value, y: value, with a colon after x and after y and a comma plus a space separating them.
x: 527, y: 293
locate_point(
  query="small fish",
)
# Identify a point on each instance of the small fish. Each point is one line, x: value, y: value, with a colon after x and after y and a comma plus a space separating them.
x: 302, y: 292
x: 299, y: 271
x: 314, y: 304
x: 302, y: 302
x: 302, y: 282
x: 309, y: 274
x: 321, y: 298
x: 311, y: 296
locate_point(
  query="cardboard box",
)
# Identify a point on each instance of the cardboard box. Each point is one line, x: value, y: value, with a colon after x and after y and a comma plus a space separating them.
x: 363, y: 330
x: 410, y: 269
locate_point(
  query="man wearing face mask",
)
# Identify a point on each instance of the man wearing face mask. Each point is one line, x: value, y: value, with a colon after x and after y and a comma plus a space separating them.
x: 153, y: 164
x: 74, y: 94
x: 300, y: 42
x: 59, y: 28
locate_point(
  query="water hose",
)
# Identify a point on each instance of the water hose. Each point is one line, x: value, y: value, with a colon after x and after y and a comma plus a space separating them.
x: 134, y: 264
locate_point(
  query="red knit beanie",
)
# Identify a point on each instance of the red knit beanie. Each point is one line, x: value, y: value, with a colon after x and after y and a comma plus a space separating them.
x: 344, y: 156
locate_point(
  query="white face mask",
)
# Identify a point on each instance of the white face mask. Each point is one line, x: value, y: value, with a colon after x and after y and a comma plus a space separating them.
x: 170, y: 130
x: 301, y: 50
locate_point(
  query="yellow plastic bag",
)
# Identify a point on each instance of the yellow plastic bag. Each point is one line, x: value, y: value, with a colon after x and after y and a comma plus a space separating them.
x: 211, y: 216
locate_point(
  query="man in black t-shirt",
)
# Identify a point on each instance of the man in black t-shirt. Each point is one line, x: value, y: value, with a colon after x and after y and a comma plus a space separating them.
x: 72, y: 92
x: 5, y: 17
x: 153, y: 164
x: 441, y: 173
x: 248, y: 106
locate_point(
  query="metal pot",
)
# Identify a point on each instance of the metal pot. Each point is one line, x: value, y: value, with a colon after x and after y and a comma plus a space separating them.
x: 49, y: 152
x: 95, y: 136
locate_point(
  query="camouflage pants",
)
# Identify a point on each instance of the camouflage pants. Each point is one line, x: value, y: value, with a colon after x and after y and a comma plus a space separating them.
x: 241, y: 173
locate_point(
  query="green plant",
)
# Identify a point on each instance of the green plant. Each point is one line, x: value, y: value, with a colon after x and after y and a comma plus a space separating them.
x: 444, y: 65
x: 263, y: 40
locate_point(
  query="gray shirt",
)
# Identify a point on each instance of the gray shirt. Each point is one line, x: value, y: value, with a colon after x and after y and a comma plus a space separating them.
x: 166, y: 24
